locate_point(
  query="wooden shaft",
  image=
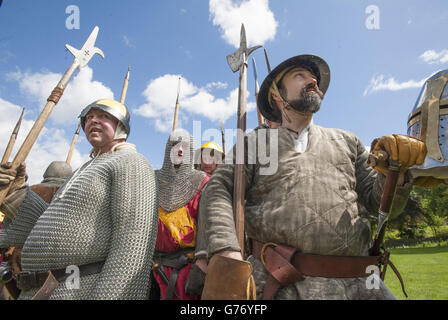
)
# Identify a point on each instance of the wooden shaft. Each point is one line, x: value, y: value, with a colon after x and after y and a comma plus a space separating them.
x: 72, y: 147
x: 259, y: 115
x: 125, y: 88
x: 12, y: 139
x: 223, y: 139
x: 239, y: 173
x: 176, y: 110
x: 387, y: 198
x: 32, y: 136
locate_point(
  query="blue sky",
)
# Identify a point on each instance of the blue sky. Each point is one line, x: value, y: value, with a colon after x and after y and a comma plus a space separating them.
x: 378, y: 61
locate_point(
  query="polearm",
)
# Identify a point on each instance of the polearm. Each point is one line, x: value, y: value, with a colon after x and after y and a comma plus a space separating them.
x: 72, y: 147
x: 257, y: 89
x: 12, y: 139
x: 223, y: 138
x: 176, y: 110
x: 125, y: 86
x: 238, y: 61
x: 81, y: 58
x: 268, y: 65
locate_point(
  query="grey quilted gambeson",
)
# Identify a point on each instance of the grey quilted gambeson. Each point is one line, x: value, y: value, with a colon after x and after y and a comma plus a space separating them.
x: 309, y: 203
x: 106, y: 211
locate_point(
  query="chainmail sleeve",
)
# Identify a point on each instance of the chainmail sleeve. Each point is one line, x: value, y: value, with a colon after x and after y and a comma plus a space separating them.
x: 15, y: 232
x: 134, y: 214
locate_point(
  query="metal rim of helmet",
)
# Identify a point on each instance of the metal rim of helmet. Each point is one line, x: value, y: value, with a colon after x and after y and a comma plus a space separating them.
x: 316, y: 64
x: 112, y: 107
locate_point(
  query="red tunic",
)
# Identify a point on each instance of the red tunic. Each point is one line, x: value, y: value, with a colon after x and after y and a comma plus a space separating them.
x: 176, y: 230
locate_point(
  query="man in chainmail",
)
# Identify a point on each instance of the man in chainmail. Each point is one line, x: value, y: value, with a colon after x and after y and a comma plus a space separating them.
x: 306, y: 237
x: 95, y: 240
x: 54, y: 176
x: 179, y: 188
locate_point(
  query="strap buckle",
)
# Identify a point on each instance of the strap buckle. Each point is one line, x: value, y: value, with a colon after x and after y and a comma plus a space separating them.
x: 265, y: 246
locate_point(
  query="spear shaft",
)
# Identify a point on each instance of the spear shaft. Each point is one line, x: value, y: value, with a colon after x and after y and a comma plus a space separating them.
x: 176, y: 110
x: 12, y: 139
x: 72, y: 147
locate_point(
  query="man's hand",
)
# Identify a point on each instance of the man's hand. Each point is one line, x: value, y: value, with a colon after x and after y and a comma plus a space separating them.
x: 406, y: 150
x: 15, y: 176
x: 17, y: 192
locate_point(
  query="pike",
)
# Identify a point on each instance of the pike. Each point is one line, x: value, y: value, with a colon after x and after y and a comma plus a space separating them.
x: 72, y: 147
x: 176, y: 110
x: 238, y: 61
x: 223, y: 138
x: 390, y: 186
x: 268, y: 65
x: 81, y: 58
x: 125, y: 86
x: 257, y: 89
x: 12, y: 139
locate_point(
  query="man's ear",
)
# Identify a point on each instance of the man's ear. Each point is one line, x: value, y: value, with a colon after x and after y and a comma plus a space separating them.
x: 276, y: 98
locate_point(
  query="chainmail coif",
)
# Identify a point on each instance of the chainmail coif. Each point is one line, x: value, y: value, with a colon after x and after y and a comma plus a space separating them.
x: 106, y: 211
x: 177, y: 186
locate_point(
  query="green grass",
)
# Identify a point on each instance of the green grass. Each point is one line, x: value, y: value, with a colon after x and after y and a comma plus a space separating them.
x: 424, y: 272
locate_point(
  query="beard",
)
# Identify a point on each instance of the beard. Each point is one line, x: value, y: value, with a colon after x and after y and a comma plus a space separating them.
x: 309, y: 101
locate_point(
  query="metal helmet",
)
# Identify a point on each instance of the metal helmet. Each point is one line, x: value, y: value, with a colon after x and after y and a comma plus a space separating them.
x: 315, y: 64
x: 428, y: 121
x: 212, y: 145
x: 115, y: 108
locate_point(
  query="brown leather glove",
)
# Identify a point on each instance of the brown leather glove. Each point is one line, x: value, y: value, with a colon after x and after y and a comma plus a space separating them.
x: 16, y: 194
x: 14, y: 258
x: 16, y: 176
x: 228, y: 279
x: 408, y: 151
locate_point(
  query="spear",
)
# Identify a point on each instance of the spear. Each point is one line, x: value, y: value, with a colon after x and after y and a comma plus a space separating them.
x: 72, y: 147
x: 257, y: 89
x: 176, y: 110
x: 12, y: 139
x: 223, y: 138
x: 125, y: 86
x: 268, y: 65
x: 238, y: 61
x: 81, y: 58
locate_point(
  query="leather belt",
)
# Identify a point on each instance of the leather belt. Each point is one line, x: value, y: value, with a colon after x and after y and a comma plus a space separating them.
x: 287, y: 265
x: 36, y: 279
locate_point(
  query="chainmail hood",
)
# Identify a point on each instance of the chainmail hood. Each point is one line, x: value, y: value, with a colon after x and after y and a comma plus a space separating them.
x: 177, y: 186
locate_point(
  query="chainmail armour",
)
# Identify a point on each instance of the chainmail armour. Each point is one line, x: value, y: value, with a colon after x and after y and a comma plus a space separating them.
x: 106, y: 211
x: 177, y: 186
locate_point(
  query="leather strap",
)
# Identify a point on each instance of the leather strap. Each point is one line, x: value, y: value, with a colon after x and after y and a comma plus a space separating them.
x: 286, y: 265
x: 36, y: 279
x: 175, y: 260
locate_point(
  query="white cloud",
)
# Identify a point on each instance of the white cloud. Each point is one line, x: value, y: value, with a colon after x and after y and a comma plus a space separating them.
x: 258, y: 19
x: 433, y: 57
x: 127, y: 42
x: 160, y: 95
x: 50, y: 146
x: 80, y: 92
x: 379, y: 83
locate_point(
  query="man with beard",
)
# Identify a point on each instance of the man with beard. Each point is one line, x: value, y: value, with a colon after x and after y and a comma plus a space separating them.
x: 306, y: 238
x: 179, y: 188
x: 96, y: 238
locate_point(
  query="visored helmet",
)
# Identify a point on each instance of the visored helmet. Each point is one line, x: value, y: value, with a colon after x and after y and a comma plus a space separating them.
x: 115, y: 108
x: 428, y: 121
